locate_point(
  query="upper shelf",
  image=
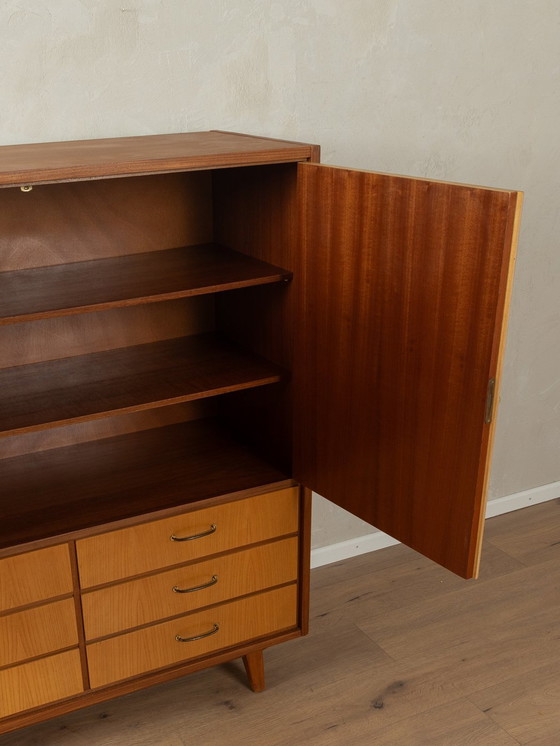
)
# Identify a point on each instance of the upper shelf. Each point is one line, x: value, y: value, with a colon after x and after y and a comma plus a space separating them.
x: 80, y: 287
x: 80, y: 160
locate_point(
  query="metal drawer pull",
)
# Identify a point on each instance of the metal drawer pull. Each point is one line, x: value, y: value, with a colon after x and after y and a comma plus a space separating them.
x: 197, y: 587
x: 213, y: 528
x: 213, y: 631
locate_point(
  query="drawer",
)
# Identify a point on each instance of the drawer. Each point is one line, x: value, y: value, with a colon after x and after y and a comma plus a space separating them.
x: 155, y: 647
x: 36, y: 631
x: 142, y: 601
x: 189, y: 536
x: 40, y: 682
x: 35, y: 576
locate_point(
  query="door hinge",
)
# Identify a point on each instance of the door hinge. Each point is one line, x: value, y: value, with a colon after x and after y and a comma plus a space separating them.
x: 490, y: 401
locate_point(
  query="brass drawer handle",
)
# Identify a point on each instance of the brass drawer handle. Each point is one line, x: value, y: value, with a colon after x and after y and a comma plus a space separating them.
x: 213, y: 528
x: 197, y: 587
x: 213, y: 631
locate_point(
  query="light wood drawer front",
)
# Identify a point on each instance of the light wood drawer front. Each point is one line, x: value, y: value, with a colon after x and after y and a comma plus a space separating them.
x: 36, y: 631
x: 138, y: 549
x: 39, y: 682
x: 155, y: 647
x: 146, y: 600
x: 35, y: 576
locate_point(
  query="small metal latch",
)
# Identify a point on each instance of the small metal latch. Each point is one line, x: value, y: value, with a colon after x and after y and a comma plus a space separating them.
x: 490, y: 401
x: 27, y: 188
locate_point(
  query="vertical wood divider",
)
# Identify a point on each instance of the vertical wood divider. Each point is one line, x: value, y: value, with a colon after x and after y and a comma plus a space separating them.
x: 79, y: 615
x: 304, y: 558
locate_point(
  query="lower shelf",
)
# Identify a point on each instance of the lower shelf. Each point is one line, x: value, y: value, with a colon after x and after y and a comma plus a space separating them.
x: 62, y: 490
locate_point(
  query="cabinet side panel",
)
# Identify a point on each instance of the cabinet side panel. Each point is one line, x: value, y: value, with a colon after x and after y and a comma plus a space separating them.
x: 402, y: 296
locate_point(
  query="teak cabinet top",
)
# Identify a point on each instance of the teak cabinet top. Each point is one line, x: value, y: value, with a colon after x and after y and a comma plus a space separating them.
x: 400, y: 293
x: 151, y: 154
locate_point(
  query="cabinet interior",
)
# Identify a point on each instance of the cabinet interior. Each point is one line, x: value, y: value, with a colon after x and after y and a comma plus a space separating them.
x: 145, y: 328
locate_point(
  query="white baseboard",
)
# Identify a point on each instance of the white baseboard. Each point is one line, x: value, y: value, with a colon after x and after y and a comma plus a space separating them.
x: 350, y: 548
x: 522, y: 499
x: 379, y: 540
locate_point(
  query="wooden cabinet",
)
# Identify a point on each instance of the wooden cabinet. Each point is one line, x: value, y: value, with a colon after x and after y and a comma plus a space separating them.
x: 195, y: 331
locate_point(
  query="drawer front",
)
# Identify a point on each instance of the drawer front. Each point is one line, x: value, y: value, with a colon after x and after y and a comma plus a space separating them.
x: 34, y: 632
x: 35, y: 576
x: 40, y: 682
x: 149, y: 546
x: 146, y: 600
x: 155, y: 647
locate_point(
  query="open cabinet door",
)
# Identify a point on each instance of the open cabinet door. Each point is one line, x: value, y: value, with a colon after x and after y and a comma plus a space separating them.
x: 402, y: 290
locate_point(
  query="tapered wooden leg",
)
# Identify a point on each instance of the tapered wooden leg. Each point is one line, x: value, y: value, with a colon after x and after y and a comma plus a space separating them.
x: 254, y: 666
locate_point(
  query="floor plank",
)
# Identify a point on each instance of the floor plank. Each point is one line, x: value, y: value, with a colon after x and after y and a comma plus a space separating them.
x: 487, y: 611
x: 408, y: 578
x: 527, y: 706
x: 456, y: 724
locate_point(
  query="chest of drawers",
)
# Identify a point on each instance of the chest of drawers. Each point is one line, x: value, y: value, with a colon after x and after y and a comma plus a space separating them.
x: 160, y: 597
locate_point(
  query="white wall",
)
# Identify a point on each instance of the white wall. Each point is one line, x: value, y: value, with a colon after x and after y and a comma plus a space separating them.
x: 467, y: 91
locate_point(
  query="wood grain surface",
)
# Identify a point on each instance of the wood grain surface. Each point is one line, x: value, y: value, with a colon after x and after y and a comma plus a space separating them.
x: 156, y: 646
x: 127, y: 379
x: 36, y: 631
x: 45, y: 680
x: 107, y: 427
x: 255, y: 212
x: 147, y: 547
x: 35, y: 576
x: 136, y: 279
x: 81, y: 334
x: 148, y: 599
x: 106, y: 218
x: 402, y: 285
x: 90, y: 159
x: 67, y: 489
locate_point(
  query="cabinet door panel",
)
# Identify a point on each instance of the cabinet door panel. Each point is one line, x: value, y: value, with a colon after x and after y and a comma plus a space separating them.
x: 402, y: 285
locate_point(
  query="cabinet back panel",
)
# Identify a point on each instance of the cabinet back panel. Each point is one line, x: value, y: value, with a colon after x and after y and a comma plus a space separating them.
x: 68, y: 336
x: 59, y: 223
x: 83, y: 432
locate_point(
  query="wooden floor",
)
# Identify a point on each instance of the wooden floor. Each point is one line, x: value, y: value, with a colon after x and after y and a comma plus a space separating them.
x: 400, y: 652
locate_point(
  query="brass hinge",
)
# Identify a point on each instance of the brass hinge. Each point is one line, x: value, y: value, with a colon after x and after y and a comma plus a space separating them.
x: 490, y: 401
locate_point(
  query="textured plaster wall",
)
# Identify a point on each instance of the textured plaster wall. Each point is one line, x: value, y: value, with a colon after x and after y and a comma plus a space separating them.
x: 467, y: 91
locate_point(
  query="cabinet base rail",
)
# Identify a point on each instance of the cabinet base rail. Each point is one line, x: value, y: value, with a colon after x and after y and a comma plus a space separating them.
x: 251, y: 654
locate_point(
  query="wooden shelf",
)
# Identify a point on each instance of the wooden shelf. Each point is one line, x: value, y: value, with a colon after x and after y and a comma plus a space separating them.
x: 63, y: 490
x: 130, y: 379
x: 81, y: 287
